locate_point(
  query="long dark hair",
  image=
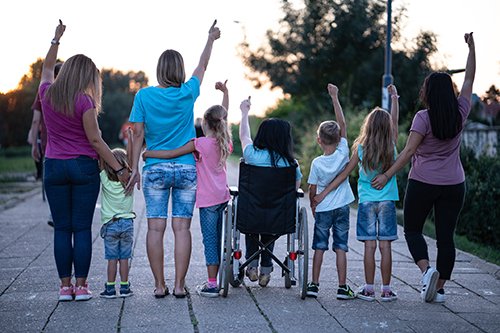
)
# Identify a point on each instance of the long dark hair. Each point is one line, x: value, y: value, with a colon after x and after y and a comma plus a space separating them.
x: 275, y: 135
x: 439, y: 97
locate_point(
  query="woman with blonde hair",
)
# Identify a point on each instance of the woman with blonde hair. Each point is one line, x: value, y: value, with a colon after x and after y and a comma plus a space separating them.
x: 163, y: 116
x: 70, y: 105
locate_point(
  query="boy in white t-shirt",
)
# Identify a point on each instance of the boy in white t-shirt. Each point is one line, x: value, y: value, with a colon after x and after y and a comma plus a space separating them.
x: 333, y: 212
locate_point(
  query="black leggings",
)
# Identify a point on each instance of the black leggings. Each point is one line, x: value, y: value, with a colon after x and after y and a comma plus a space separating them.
x: 447, y: 201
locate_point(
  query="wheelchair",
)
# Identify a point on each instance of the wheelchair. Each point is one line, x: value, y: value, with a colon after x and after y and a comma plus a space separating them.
x: 266, y: 202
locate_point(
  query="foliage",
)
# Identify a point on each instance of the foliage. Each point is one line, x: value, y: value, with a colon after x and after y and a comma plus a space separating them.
x: 480, y: 216
x: 340, y: 42
x: 254, y: 125
x: 118, y: 93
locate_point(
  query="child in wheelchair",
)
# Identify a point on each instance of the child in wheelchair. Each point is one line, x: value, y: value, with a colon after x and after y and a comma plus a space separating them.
x: 272, y: 147
x: 333, y: 212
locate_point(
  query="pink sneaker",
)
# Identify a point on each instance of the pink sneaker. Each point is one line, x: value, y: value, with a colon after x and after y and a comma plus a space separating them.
x: 66, y: 293
x: 82, y: 293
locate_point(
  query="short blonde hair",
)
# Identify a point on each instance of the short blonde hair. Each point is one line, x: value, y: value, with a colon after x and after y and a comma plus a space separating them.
x: 170, y: 69
x: 121, y: 157
x: 329, y: 132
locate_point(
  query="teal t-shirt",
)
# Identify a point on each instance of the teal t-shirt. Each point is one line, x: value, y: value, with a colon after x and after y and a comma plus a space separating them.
x: 114, y: 202
x: 261, y: 157
x: 365, y: 190
x: 167, y: 114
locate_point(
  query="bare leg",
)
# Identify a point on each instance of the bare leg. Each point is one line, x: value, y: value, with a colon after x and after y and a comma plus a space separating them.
x: 112, y: 265
x: 385, y: 261
x: 369, y: 261
x: 182, y: 251
x: 440, y: 284
x: 124, y: 270
x: 423, y: 264
x: 212, y: 271
x: 154, y: 246
x: 317, y: 262
x: 80, y: 282
x: 341, y: 266
x: 66, y: 282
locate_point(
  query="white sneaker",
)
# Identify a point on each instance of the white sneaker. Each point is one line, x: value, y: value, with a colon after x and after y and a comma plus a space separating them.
x: 439, y: 298
x: 264, y: 280
x: 429, y: 282
x: 252, y: 274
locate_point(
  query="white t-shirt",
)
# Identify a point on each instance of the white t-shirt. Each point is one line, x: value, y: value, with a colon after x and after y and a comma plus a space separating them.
x: 324, y: 169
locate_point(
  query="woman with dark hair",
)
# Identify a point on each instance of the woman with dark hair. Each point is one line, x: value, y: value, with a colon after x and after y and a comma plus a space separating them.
x: 272, y: 147
x: 436, y: 178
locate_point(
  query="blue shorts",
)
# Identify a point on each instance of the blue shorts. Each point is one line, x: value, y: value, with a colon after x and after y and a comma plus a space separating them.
x: 377, y: 221
x: 118, y: 239
x: 157, y: 182
x: 338, y: 221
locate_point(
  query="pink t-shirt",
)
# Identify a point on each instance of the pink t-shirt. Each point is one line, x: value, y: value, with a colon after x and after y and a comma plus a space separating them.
x: 437, y: 161
x: 212, y: 188
x: 66, y: 136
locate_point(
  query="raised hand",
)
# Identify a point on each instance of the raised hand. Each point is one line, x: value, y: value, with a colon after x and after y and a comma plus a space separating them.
x: 469, y: 39
x: 221, y: 86
x: 392, y: 90
x: 245, y: 105
x: 333, y: 90
x: 59, y: 31
x: 214, y: 32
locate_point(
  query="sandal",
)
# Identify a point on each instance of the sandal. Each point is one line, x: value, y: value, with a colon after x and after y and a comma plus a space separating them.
x: 162, y: 295
x: 180, y: 295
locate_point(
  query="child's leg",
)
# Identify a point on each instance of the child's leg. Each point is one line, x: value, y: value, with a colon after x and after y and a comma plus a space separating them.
x: 369, y: 261
x: 112, y: 268
x: 341, y: 266
x: 317, y: 262
x: 385, y: 261
x: 211, y: 226
x: 123, y: 270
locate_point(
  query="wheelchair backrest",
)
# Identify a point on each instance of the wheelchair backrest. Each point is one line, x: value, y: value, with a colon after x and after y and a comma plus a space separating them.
x: 267, y: 200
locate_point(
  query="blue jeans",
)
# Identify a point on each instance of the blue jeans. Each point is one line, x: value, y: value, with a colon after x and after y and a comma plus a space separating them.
x: 72, y: 187
x: 336, y: 220
x: 157, y: 182
x: 211, y: 229
x: 118, y: 239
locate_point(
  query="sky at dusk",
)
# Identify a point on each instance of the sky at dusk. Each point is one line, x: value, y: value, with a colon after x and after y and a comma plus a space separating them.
x: 131, y: 35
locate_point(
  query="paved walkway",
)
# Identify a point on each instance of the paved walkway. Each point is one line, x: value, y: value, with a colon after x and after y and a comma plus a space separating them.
x: 29, y: 285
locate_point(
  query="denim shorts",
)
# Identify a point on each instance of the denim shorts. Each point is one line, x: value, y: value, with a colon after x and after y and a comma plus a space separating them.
x: 157, y: 182
x: 377, y: 221
x: 118, y: 239
x: 338, y: 221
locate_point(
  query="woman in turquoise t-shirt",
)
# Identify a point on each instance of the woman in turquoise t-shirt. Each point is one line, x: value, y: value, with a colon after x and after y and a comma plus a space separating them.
x: 273, y: 146
x: 163, y: 116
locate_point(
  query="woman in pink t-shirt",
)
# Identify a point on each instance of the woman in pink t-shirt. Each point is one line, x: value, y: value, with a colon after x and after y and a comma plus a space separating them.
x: 436, y: 179
x: 212, y: 192
x: 70, y: 106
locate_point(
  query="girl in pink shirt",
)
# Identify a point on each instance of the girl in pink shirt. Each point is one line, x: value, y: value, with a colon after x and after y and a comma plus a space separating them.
x: 212, y: 193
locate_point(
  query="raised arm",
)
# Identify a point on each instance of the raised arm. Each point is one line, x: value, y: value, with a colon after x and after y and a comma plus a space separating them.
x: 339, y: 179
x: 186, y: 149
x: 393, y: 92
x: 245, y: 137
x: 414, y: 140
x: 225, y: 95
x: 213, y: 34
x: 333, y: 91
x: 50, y: 59
x: 470, y: 68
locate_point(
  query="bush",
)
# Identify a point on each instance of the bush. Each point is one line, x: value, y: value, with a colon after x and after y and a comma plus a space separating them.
x: 480, y: 216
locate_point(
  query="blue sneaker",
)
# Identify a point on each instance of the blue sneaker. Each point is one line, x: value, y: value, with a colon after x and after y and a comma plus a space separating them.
x: 206, y: 291
x: 109, y: 291
x: 125, y: 290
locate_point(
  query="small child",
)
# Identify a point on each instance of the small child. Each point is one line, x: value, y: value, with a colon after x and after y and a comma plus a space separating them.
x: 212, y: 194
x: 375, y: 151
x: 333, y: 212
x: 118, y: 225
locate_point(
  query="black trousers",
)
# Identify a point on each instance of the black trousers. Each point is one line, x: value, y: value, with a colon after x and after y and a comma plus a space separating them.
x: 447, y: 201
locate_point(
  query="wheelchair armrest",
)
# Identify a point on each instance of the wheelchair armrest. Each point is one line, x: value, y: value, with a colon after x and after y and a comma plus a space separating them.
x: 300, y: 193
x: 233, y: 190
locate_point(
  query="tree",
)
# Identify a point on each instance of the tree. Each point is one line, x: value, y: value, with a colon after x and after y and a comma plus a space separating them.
x: 341, y: 42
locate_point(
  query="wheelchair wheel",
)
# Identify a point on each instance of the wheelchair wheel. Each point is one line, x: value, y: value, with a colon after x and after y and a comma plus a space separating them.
x: 235, y: 281
x: 288, y: 279
x: 225, y: 270
x: 303, y: 247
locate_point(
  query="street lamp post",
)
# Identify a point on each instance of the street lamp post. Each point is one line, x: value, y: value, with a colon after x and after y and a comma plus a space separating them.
x: 387, y: 79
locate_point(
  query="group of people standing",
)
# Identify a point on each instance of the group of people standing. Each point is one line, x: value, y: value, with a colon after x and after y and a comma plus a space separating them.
x: 191, y: 171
